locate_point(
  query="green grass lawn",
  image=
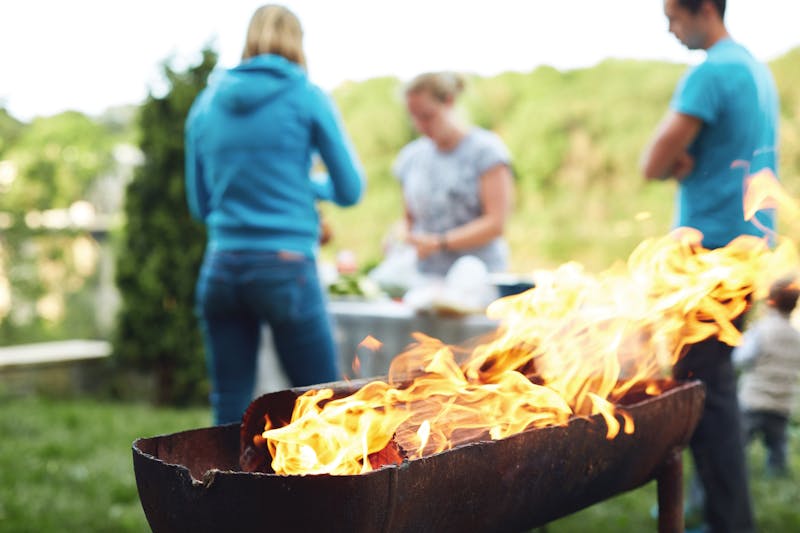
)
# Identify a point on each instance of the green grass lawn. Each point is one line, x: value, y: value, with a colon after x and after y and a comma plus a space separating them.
x: 65, y: 465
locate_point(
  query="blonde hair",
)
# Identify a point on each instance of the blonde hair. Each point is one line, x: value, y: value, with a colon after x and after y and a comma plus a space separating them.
x: 443, y: 86
x: 274, y: 29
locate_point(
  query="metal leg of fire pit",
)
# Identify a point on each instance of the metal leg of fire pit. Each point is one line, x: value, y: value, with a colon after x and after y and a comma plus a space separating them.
x: 670, y: 494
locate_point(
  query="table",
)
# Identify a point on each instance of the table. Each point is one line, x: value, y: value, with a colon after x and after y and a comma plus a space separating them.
x: 388, y: 321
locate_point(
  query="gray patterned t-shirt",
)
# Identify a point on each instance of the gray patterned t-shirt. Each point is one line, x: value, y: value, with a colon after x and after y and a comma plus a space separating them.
x: 442, y: 192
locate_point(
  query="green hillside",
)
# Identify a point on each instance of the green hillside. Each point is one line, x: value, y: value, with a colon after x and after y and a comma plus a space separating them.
x: 576, y: 138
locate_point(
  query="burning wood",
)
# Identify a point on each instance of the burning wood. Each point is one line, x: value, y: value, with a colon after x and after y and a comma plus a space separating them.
x: 571, y: 347
x: 191, y: 481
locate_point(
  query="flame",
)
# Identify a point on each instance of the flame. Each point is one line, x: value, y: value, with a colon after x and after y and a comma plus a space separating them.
x: 573, y: 346
x: 424, y: 433
x: 764, y: 191
x: 371, y: 343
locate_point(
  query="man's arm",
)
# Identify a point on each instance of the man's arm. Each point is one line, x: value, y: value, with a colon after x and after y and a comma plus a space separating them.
x: 667, y: 156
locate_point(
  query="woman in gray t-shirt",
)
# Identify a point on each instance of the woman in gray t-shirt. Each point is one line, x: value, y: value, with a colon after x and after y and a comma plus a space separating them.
x: 456, y: 178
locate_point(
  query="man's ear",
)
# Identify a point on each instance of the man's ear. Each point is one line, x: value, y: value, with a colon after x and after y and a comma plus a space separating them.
x: 709, y: 10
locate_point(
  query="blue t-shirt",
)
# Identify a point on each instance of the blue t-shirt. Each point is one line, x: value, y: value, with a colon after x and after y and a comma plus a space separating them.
x: 735, y: 97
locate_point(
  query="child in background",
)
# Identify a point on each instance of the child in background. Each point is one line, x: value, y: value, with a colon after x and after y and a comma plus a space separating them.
x: 769, y: 357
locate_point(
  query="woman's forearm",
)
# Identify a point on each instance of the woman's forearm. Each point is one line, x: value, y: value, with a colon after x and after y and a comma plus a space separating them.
x: 474, y: 234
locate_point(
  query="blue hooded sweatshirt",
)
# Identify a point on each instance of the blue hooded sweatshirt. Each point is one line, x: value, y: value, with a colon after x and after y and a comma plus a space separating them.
x: 250, y: 137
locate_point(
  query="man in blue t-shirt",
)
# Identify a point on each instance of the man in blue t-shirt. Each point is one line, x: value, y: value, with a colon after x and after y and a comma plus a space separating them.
x: 722, y: 127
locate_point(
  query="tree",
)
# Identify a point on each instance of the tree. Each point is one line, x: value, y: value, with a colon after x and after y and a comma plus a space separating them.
x: 57, y: 159
x: 161, y: 250
x: 46, y: 166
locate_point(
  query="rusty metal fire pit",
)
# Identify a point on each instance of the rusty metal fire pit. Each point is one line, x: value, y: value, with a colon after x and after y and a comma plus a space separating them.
x: 192, y: 480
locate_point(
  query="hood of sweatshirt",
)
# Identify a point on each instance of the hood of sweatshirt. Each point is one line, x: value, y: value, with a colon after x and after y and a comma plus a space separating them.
x: 256, y: 81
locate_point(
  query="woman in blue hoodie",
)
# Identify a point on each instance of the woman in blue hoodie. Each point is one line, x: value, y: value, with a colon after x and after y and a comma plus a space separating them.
x: 250, y: 136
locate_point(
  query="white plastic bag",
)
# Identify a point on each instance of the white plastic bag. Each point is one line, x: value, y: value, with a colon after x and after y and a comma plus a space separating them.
x: 397, y: 273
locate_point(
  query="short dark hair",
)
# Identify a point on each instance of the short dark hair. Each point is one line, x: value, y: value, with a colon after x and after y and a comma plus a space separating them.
x: 783, y: 295
x: 694, y: 5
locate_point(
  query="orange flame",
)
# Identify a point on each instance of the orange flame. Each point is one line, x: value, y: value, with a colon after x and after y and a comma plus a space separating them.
x: 371, y: 343
x: 572, y: 346
x: 763, y: 191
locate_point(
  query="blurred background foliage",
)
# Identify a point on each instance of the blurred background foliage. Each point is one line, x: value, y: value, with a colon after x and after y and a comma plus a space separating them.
x: 575, y: 138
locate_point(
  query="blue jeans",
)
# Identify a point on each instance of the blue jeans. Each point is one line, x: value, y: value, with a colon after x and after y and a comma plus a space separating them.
x: 237, y: 292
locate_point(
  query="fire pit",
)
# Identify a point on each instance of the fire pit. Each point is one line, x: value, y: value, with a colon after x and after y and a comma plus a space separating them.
x: 563, y: 406
x: 193, y: 480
